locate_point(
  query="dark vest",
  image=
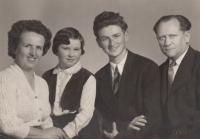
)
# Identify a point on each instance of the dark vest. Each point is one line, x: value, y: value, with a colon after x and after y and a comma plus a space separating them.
x: 70, y: 100
x: 71, y: 96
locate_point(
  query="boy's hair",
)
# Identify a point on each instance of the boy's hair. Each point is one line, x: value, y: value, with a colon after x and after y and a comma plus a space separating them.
x: 108, y: 18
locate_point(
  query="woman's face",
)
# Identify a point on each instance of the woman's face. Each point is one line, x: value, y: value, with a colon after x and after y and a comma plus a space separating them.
x: 29, y: 50
x: 69, y: 55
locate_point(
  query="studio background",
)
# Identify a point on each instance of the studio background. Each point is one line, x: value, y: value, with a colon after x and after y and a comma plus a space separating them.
x: 140, y: 16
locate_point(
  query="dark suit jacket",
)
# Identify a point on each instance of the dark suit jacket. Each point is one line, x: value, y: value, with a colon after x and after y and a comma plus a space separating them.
x: 183, y: 101
x: 139, y: 94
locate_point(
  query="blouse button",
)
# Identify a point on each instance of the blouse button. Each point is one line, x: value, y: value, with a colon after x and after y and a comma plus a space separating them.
x: 38, y: 120
x: 35, y: 97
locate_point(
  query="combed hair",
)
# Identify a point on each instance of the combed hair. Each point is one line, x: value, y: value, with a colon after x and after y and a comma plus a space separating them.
x: 185, y: 24
x: 108, y: 18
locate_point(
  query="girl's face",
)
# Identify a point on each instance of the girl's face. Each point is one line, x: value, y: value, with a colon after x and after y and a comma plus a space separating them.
x: 69, y: 55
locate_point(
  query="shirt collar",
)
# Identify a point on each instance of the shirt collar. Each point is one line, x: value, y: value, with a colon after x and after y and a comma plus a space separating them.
x: 178, y: 61
x: 69, y: 71
x: 120, y: 65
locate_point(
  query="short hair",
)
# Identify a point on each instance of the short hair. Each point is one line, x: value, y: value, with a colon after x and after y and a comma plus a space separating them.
x: 185, y: 24
x: 63, y: 36
x: 108, y: 18
x: 21, y: 26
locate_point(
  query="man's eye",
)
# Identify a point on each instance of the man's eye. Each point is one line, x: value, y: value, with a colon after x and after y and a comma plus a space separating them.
x: 172, y: 36
x: 39, y: 47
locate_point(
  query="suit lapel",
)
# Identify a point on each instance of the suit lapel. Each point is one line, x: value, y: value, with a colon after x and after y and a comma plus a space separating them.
x: 164, y: 84
x: 106, y: 87
x: 183, y: 72
x: 126, y: 82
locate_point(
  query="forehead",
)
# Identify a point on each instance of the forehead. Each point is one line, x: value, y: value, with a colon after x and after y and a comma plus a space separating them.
x: 73, y: 43
x: 109, y: 30
x: 166, y: 27
x: 33, y: 38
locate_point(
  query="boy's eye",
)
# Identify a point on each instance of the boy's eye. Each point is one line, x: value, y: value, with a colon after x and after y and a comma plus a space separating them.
x: 161, y: 37
x: 27, y: 45
x: 104, y: 39
x: 116, y: 36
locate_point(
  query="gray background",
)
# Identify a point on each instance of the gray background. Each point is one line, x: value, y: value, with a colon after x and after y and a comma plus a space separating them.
x: 140, y: 15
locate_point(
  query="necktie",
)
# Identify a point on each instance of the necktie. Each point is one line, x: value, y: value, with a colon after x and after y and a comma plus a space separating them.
x: 170, y: 75
x: 116, y: 81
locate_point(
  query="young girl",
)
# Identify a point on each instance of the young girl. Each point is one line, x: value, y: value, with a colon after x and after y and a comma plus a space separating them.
x: 72, y: 88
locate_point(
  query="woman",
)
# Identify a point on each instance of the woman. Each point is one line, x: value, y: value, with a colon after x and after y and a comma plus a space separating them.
x: 24, y: 106
x: 72, y: 88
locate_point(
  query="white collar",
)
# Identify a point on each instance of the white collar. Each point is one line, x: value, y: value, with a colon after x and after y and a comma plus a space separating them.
x: 69, y: 71
x: 120, y: 65
x: 179, y: 60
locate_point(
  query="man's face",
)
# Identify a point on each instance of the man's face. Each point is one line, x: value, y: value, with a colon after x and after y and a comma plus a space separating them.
x: 173, y: 42
x: 112, y: 40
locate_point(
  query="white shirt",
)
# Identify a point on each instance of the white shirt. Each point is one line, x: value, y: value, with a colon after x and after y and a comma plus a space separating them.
x: 120, y: 66
x: 20, y: 106
x: 178, y: 62
x: 86, y: 104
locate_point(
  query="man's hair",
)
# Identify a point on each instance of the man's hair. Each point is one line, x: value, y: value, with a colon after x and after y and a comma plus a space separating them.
x: 108, y: 18
x: 63, y: 36
x: 185, y: 24
x: 18, y: 28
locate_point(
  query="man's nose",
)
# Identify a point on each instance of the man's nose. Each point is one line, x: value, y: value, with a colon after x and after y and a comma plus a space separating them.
x: 167, y: 41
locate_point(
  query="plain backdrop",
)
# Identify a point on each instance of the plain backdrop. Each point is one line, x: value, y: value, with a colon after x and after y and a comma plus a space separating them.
x: 140, y: 16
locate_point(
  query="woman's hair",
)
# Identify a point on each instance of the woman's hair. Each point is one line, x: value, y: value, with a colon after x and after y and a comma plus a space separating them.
x: 22, y: 26
x: 63, y: 36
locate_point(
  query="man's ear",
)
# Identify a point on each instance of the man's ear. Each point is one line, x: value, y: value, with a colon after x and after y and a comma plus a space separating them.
x: 187, y: 36
x: 126, y: 35
x: 97, y: 40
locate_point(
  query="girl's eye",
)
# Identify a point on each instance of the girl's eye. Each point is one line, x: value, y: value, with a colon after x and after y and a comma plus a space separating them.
x: 78, y: 49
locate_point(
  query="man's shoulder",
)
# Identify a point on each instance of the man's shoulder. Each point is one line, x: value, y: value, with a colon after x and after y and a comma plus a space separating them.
x: 140, y: 61
x: 103, y: 70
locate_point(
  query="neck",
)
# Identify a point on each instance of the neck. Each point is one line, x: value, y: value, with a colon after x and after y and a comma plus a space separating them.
x: 118, y: 58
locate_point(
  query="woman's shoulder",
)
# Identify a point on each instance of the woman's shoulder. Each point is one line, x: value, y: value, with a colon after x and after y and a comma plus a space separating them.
x: 6, y: 76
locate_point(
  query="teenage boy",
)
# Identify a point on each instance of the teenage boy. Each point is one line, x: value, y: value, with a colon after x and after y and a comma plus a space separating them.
x: 128, y: 92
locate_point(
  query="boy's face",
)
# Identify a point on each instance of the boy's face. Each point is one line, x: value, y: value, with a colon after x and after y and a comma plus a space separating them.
x: 112, y: 40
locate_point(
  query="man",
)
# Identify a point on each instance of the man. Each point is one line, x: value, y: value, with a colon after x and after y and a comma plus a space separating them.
x: 180, y: 78
x: 128, y: 92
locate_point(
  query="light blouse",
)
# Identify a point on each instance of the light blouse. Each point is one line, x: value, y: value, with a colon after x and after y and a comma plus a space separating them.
x: 20, y: 106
